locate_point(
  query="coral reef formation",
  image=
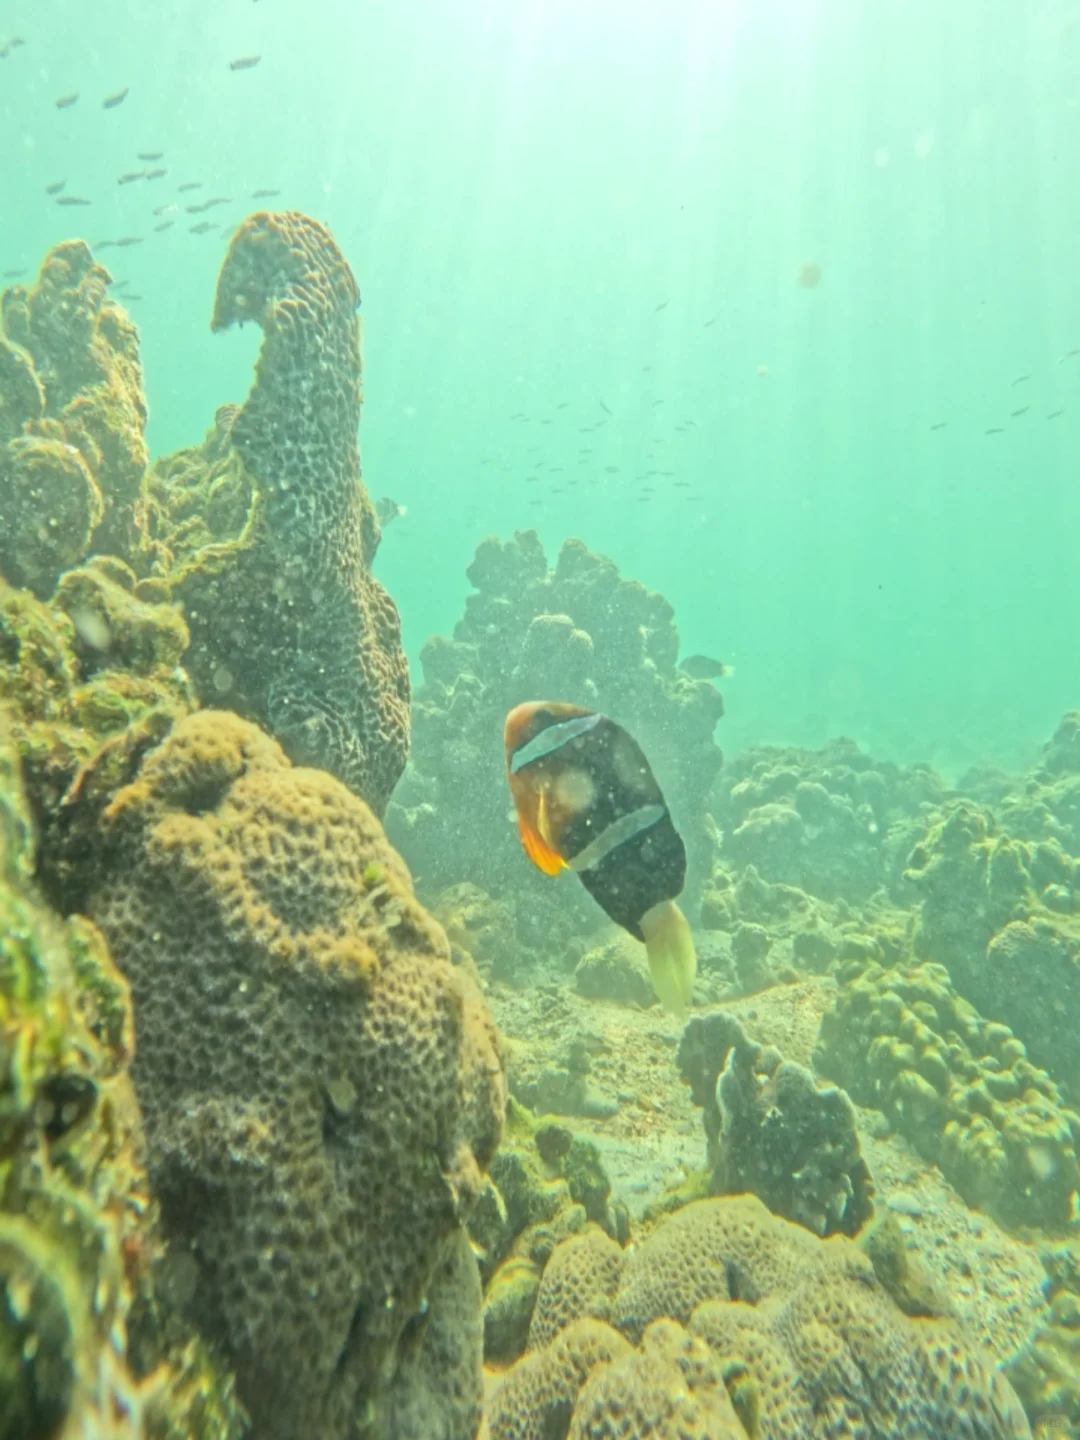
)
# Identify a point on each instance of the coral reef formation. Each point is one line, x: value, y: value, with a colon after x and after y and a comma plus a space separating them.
x: 321, y: 1087
x: 1045, y: 1373
x: 999, y: 914
x: 288, y: 624
x: 91, y: 682
x: 580, y: 633
x: 961, y: 1088
x: 76, y: 1219
x: 72, y: 420
x: 727, y: 1321
x: 545, y: 1185
x: 833, y: 822
x: 772, y: 1132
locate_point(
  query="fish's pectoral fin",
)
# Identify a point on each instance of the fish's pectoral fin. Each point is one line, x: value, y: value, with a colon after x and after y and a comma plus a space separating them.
x: 539, y: 851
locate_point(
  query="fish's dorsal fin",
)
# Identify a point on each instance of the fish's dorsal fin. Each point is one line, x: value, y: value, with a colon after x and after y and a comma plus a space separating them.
x: 543, y: 856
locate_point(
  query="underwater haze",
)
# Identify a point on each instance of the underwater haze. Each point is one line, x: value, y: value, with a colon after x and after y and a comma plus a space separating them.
x: 775, y: 304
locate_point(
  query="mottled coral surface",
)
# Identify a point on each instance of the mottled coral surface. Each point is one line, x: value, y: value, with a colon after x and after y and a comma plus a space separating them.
x: 321, y: 1087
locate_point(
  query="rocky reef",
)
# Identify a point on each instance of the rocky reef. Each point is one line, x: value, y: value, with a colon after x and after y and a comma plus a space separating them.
x: 579, y: 632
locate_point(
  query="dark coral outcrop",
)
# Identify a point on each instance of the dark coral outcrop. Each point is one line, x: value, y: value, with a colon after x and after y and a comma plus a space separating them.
x: 772, y: 1131
x: 267, y: 534
x: 579, y: 632
x: 322, y: 1088
x: 727, y: 1321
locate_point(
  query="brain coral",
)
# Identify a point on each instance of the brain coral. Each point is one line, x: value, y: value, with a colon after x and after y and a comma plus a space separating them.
x: 321, y: 1088
x: 72, y: 419
x: 579, y: 633
x: 801, y: 1342
x: 267, y: 534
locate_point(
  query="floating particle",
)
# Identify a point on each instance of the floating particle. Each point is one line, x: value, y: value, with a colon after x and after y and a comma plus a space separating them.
x: 245, y: 62
x: 923, y: 145
x: 708, y: 323
x: 562, y: 404
x: 264, y: 194
x: 55, y: 187
x: 91, y: 628
x: 223, y: 680
x: 657, y: 402
x: 111, y: 101
x: 150, y: 155
x: 663, y: 305
x: 762, y: 371
x: 612, y: 469
x: 72, y: 200
x: 809, y: 275
x: 189, y: 185
x: 130, y: 176
x: 881, y: 157
x: 66, y: 101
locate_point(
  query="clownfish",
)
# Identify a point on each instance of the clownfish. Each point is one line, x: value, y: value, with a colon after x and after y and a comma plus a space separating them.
x: 587, y: 801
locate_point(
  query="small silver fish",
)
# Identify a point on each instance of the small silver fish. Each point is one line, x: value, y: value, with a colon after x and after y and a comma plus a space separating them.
x: 151, y: 154
x: 245, y: 62
x: 388, y: 510
x: 111, y: 101
x: 66, y: 101
x: 704, y: 667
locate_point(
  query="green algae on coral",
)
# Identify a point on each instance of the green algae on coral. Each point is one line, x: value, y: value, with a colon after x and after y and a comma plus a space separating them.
x: 91, y: 682
x: 72, y: 419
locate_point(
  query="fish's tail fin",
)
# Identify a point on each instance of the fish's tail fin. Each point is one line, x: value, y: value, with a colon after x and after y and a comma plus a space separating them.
x: 669, y: 947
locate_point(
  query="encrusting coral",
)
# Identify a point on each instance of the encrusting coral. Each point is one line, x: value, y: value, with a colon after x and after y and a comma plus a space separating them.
x: 267, y: 534
x: 322, y: 1089
x: 72, y: 420
x: 961, y: 1088
x: 772, y: 1131
x: 579, y: 632
x: 729, y: 1322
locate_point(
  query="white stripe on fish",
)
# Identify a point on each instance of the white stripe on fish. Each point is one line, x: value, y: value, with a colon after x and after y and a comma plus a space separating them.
x: 552, y: 739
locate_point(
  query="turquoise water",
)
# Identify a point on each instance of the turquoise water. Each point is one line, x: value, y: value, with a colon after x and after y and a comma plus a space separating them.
x: 594, y: 215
